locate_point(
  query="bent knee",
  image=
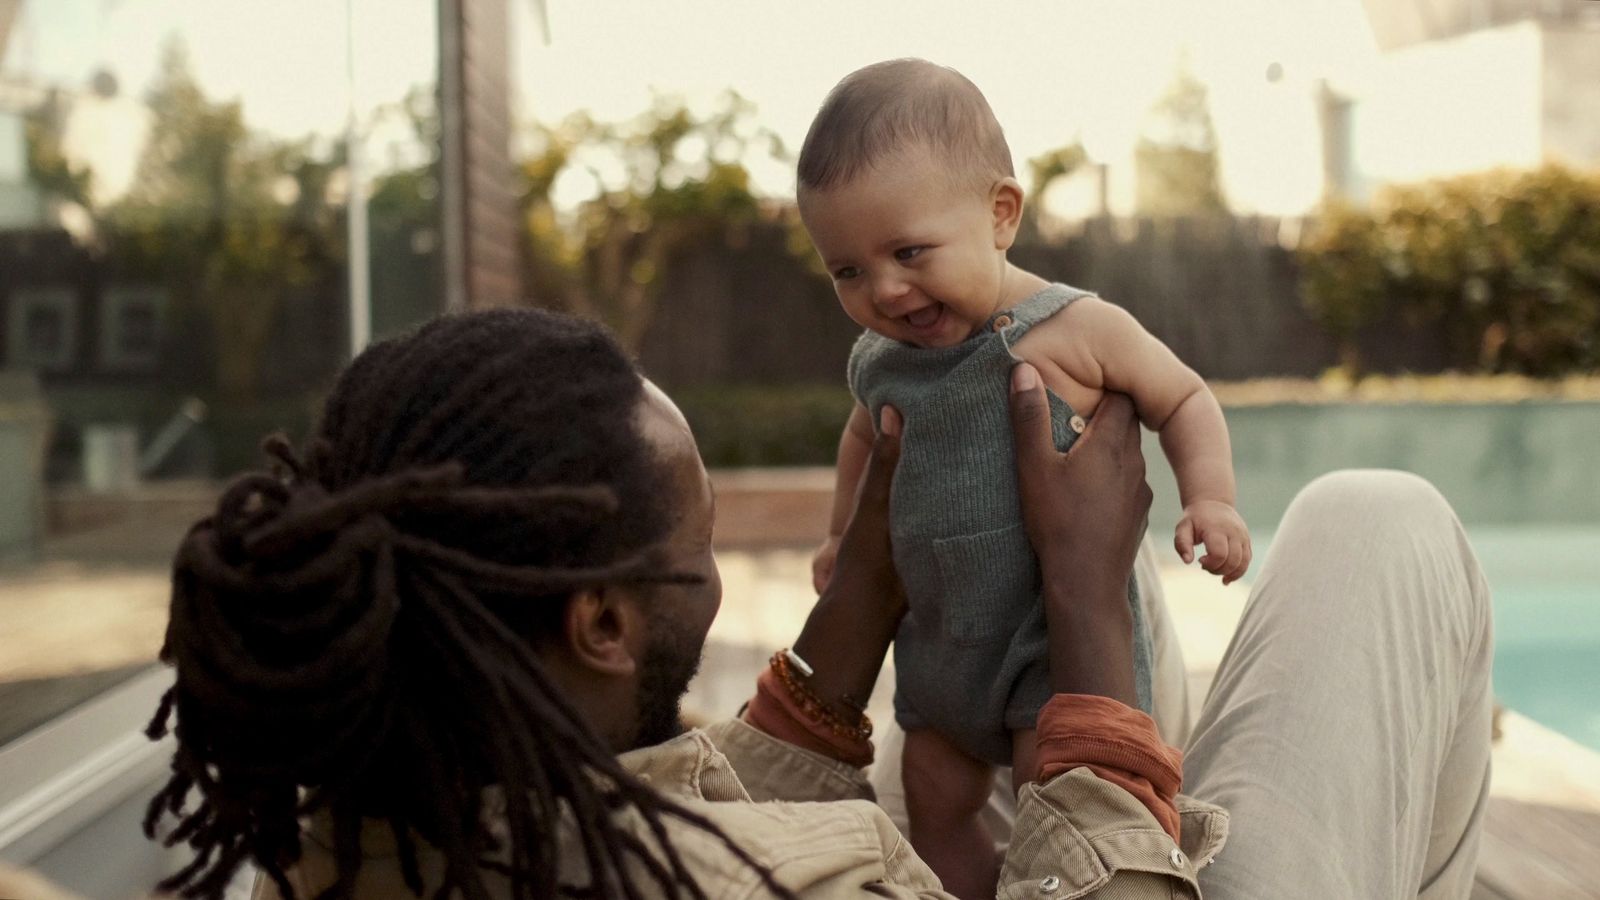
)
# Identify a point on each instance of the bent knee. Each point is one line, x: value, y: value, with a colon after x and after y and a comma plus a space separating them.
x: 1368, y: 499
x: 1393, y: 521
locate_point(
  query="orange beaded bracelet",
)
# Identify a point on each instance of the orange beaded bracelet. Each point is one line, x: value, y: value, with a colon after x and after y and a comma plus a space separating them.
x: 812, y: 706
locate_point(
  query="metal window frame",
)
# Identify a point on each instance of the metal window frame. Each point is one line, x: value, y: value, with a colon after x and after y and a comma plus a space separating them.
x: 65, y: 774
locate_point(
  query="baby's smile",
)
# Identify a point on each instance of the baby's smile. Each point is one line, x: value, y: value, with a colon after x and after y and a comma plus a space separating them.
x: 925, y: 323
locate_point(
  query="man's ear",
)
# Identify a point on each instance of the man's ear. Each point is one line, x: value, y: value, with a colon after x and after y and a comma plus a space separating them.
x: 600, y: 631
x: 1006, y: 203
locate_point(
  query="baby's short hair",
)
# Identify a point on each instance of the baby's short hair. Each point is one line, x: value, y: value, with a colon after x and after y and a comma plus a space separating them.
x: 901, y: 103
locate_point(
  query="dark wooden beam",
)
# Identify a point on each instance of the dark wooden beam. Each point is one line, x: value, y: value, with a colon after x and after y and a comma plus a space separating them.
x: 480, y: 204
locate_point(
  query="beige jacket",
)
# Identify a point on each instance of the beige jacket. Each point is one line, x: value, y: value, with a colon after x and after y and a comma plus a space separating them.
x: 812, y: 821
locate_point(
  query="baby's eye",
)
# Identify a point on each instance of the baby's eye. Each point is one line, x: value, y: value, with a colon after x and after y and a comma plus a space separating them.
x: 845, y: 273
x: 905, y: 254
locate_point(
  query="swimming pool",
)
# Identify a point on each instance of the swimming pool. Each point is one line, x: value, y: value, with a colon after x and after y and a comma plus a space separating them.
x: 1520, y: 475
x: 1546, y: 584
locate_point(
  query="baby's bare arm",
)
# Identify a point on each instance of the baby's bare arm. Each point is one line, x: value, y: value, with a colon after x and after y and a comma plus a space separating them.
x: 1101, y: 346
x: 855, y: 448
x: 855, y: 445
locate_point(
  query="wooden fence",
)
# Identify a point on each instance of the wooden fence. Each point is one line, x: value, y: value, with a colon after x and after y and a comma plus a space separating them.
x: 1222, y: 292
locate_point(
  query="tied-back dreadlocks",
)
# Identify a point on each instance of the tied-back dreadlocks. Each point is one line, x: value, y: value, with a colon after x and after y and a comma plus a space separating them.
x: 351, y: 632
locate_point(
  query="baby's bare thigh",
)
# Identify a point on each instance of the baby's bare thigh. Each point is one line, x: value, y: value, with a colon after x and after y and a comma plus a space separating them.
x: 939, y: 776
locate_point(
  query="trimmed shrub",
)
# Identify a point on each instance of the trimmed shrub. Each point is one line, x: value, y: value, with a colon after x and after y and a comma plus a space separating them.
x: 1506, y: 265
x: 756, y: 425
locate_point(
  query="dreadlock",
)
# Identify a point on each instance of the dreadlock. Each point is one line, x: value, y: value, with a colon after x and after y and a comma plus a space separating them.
x: 352, y: 631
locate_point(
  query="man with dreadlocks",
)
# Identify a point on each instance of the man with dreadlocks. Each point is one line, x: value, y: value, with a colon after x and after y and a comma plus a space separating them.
x: 440, y: 653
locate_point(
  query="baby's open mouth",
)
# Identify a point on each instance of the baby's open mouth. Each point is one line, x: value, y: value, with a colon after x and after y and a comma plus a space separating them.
x: 924, y: 317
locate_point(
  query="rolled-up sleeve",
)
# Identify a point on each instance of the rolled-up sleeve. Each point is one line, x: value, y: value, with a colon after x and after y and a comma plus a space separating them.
x: 1082, y: 836
x: 1104, y: 821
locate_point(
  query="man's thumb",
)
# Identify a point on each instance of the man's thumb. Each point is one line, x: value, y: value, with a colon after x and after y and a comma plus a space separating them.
x: 1030, y: 413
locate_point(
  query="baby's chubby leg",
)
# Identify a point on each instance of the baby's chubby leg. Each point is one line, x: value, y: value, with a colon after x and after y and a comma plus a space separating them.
x: 1024, y: 757
x: 945, y: 791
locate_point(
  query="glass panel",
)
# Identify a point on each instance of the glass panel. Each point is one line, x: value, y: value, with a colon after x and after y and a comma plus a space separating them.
x: 175, y: 276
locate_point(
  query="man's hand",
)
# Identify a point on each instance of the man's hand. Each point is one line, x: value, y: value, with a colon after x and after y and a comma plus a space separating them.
x: 1085, y: 511
x: 848, y: 632
x: 864, y: 564
x: 1219, y: 527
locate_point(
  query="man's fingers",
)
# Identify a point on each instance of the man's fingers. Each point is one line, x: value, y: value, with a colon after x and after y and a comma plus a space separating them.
x: 881, y: 464
x: 1116, y: 420
x: 1183, y: 541
x: 1030, y: 419
x: 1115, y: 415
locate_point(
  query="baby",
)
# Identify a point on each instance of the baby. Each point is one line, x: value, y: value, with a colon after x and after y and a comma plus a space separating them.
x: 907, y: 190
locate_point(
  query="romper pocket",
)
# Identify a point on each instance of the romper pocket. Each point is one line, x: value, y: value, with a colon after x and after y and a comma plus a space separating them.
x: 988, y: 581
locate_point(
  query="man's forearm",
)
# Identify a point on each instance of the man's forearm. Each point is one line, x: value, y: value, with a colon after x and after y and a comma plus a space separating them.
x: 1091, y: 635
x: 845, y: 650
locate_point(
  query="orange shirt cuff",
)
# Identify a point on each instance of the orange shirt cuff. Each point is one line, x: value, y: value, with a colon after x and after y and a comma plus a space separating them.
x: 775, y: 712
x: 1117, y: 743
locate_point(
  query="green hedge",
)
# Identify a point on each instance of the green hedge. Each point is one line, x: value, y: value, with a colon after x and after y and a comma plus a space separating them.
x: 1506, y: 265
x: 751, y: 425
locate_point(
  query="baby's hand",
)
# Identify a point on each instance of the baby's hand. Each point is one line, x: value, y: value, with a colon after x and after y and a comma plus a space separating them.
x: 822, y: 563
x: 1218, y: 526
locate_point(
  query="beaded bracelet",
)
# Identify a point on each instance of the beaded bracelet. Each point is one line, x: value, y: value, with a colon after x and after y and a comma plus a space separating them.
x: 784, y: 667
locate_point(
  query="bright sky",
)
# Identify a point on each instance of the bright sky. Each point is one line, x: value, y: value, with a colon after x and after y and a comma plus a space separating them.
x: 1054, y: 70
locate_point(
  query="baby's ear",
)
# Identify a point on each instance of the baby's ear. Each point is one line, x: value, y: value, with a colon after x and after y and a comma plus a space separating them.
x: 1006, y: 205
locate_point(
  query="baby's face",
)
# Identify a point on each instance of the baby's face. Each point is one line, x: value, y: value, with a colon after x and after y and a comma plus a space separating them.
x: 914, y: 255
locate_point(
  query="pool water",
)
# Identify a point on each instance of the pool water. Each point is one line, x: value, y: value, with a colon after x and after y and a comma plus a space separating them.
x: 1546, y: 584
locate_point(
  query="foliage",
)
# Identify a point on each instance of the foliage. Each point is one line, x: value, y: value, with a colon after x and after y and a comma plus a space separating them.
x: 1044, y: 170
x: 405, y: 227
x: 1176, y: 159
x: 237, y: 223
x: 229, y: 219
x: 667, y: 182
x: 1059, y: 163
x: 1505, y: 264
x: 48, y: 167
x: 750, y: 425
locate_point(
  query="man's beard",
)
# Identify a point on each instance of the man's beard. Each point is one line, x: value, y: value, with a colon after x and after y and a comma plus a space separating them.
x: 670, y: 662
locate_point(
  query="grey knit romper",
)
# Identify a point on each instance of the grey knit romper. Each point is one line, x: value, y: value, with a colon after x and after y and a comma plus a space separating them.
x: 970, y: 656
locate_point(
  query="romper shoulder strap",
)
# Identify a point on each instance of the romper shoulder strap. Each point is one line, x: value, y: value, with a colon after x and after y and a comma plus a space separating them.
x: 1037, y: 308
